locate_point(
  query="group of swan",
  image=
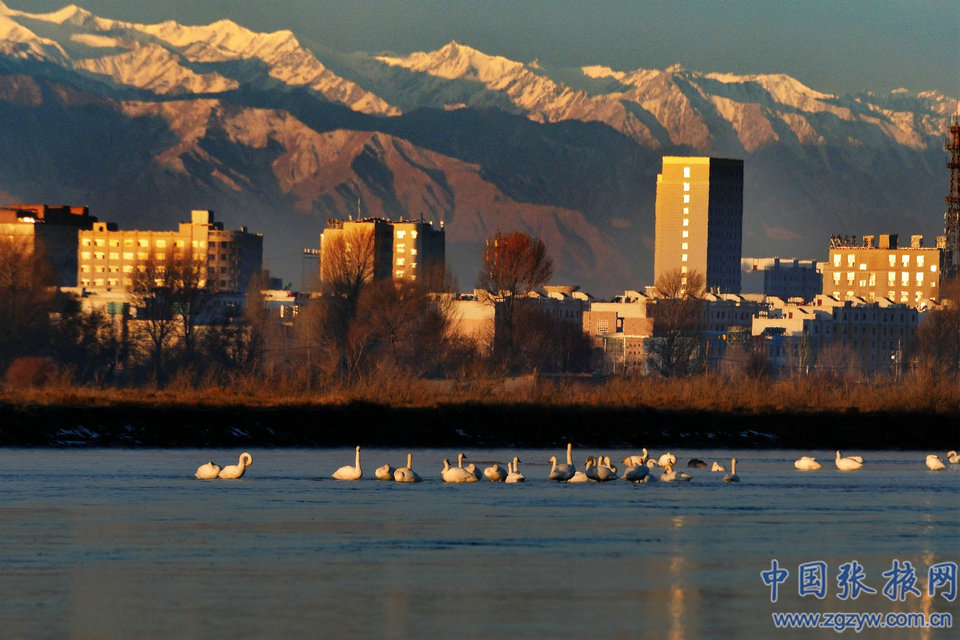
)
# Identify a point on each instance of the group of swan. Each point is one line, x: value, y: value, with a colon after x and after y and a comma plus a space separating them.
x: 209, y: 471
x: 596, y: 469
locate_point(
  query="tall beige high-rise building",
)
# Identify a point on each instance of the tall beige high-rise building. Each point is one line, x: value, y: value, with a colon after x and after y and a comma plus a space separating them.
x: 699, y: 220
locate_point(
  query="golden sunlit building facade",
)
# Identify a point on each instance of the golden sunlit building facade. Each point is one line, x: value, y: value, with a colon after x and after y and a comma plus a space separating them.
x: 878, y: 268
x: 107, y: 257
x: 699, y: 220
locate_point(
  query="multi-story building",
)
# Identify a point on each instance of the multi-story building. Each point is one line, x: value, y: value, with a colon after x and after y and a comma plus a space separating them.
x: 403, y: 250
x: 869, y: 336
x: 108, y: 257
x: 699, y: 219
x: 791, y: 278
x: 621, y: 328
x: 51, y: 229
x: 878, y: 268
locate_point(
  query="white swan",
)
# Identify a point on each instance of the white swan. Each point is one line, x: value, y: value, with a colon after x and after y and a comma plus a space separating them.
x: 952, y: 457
x: 806, y: 463
x: 632, y: 461
x: 718, y: 467
x: 456, y: 475
x: 513, y: 472
x: 605, y: 471
x: 934, y: 463
x: 590, y: 468
x: 560, y: 473
x: 635, y: 472
x: 494, y: 473
x: 669, y: 475
x: 208, y: 471
x: 384, y: 472
x: 732, y: 476
x: 472, y: 469
x: 234, y: 471
x: 849, y: 463
x: 667, y: 458
x: 407, y: 474
x: 347, y: 472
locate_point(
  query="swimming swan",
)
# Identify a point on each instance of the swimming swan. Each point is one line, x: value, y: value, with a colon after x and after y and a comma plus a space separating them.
x: 605, y: 471
x: 669, y: 475
x: 732, y: 476
x: 208, y: 471
x: 718, y: 467
x: 494, y: 473
x: 456, y: 475
x: 806, y: 463
x: 952, y: 457
x: 347, y: 472
x: 561, y: 472
x: 934, y: 463
x: 233, y: 471
x: 635, y: 472
x: 667, y: 458
x: 849, y: 463
x: 384, y: 472
x: 514, y: 475
x: 407, y: 474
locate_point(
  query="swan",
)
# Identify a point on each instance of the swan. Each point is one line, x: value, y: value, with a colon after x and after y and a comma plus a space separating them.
x: 696, y: 463
x: 590, y: 468
x: 952, y: 457
x: 456, y: 475
x: 234, y: 471
x: 347, y: 472
x: 384, y: 472
x: 633, y: 461
x: 494, y: 473
x: 651, y: 463
x: 732, y: 476
x: 473, y: 470
x: 562, y: 472
x: 806, y: 463
x: 934, y: 463
x: 718, y: 467
x: 848, y: 464
x: 667, y: 458
x: 580, y: 476
x: 669, y: 475
x: 605, y: 472
x: 407, y: 474
x: 208, y: 471
x: 514, y: 475
x: 557, y: 472
x: 635, y: 472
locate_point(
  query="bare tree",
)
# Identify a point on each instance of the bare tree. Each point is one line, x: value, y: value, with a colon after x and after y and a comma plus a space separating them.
x: 27, y: 296
x: 677, y: 315
x: 514, y: 265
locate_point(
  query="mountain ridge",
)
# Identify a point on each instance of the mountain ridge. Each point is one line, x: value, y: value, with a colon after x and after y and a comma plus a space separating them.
x: 264, y: 127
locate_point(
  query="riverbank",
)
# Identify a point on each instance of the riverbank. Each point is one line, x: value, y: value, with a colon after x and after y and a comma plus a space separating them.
x: 464, y: 425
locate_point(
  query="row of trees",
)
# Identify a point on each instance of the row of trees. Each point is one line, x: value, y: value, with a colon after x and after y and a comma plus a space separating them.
x: 358, y: 326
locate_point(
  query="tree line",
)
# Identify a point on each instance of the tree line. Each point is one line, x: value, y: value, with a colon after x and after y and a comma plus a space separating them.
x: 358, y: 329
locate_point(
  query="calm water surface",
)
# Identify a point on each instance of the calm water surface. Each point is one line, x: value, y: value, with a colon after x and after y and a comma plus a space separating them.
x: 124, y: 544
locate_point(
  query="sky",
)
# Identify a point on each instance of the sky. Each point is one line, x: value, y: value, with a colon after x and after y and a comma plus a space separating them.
x: 831, y: 45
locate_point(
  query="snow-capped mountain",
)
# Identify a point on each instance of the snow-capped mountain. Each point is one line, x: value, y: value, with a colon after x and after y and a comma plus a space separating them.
x: 144, y: 122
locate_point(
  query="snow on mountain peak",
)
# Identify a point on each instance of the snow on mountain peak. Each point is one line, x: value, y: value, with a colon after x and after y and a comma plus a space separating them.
x: 600, y: 71
x: 454, y: 60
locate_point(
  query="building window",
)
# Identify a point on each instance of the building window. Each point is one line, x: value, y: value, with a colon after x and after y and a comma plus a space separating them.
x: 684, y: 246
x: 685, y: 234
x: 686, y: 222
x: 686, y: 198
x: 683, y: 257
x: 851, y: 260
x: 400, y: 262
x: 919, y: 261
x: 128, y: 255
x: 85, y: 255
x: 683, y: 268
x: 686, y: 172
x: 836, y: 277
x: 850, y: 277
x: 836, y: 259
x: 686, y: 186
x: 161, y: 242
x: 401, y: 248
x: 401, y: 234
x: 602, y: 327
x: 863, y: 267
x: 933, y: 268
x: 919, y: 278
x: 398, y: 273
x: 114, y: 255
x: 873, y: 279
x: 905, y: 260
x: 905, y: 278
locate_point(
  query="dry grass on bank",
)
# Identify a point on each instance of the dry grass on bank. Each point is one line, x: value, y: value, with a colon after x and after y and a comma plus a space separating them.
x: 916, y: 391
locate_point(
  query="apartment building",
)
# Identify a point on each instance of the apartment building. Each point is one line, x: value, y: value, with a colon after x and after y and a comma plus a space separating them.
x: 878, y: 268
x: 699, y: 219
x: 108, y: 257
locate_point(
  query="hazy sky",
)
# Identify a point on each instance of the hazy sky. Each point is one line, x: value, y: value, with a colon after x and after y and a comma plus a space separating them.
x: 833, y: 45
